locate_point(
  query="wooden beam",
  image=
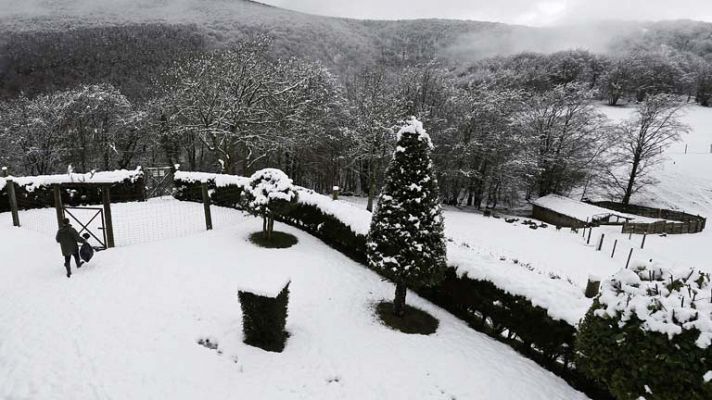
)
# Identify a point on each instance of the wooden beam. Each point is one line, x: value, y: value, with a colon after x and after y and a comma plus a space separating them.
x: 13, y: 202
x: 58, y: 204
x: 206, y: 206
x: 108, y: 222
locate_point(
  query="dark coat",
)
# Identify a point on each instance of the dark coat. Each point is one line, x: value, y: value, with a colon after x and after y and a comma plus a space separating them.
x: 68, y: 237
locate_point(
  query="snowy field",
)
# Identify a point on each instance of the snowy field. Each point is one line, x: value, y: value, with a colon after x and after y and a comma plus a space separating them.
x: 126, y: 326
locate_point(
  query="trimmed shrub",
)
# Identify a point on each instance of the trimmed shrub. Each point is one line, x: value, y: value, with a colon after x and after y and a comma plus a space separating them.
x: 648, y: 336
x: 264, y: 319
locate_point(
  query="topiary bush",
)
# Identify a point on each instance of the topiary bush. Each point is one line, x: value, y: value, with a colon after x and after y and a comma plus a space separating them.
x: 264, y: 319
x: 269, y: 193
x: 648, y: 335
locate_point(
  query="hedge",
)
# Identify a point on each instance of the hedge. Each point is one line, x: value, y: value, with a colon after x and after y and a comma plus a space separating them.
x: 73, y: 194
x: 508, y: 318
x: 264, y: 319
x: 647, y: 335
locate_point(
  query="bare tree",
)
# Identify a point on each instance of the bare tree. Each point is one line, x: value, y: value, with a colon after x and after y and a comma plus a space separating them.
x: 641, y: 141
x: 375, y: 105
x: 570, y: 134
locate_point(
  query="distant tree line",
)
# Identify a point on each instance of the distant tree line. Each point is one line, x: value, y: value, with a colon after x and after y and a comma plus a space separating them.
x: 504, y: 128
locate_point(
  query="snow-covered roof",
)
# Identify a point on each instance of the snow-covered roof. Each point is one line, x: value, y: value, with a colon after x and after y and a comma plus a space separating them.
x: 116, y: 176
x: 582, y: 211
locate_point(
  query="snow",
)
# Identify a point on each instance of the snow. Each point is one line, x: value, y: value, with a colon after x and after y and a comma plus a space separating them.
x: 561, y: 299
x: 415, y: 127
x: 220, y: 180
x: 647, y: 292
x: 191, y: 177
x: 126, y: 326
x: 707, y: 377
x: 270, y: 184
x: 356, y: 218
x: 266, y: 284
x: 582, y: 211
x: 684, y: 184
x: 117, y: 176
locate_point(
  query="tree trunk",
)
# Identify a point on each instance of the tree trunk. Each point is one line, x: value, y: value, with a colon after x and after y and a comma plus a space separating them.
x: 631, y: 180
x: 371, y: 190
x: 399, y: 301
x: 264, y: 227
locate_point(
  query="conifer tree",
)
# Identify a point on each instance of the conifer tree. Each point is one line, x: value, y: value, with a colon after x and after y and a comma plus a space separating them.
x: 406, y: 240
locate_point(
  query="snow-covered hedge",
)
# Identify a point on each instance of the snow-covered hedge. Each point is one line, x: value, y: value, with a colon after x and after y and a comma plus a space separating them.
x: 228, y: 190
x: 648, y: 335
x: 36, y: 191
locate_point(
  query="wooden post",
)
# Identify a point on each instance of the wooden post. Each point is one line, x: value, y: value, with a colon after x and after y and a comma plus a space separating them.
x: 630, y: 235
x: 592, y: 286
x: 335, y: 193
x: 6, y: 173
x: 206, y: 206
x: 588, y: 241
x: 13, y: 202
x: 629, y: 256
x: 615, y: 244
x: 600, y: 242
x: 108, y: 221
x: 58, y: 204
x: 685, y: 149
x: 642, y: 244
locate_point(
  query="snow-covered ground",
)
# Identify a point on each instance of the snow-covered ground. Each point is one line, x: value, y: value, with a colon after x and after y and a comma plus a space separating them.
x: 126, y: 326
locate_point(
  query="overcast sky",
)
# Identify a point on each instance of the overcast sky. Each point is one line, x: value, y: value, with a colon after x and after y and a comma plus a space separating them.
x: 527, y: 12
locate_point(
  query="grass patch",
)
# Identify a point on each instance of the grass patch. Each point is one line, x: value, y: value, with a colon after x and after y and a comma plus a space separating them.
x: 415, y: 321
x: 279, y: 240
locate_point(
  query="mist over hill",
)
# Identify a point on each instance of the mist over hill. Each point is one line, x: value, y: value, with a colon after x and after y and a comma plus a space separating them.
x: 52, y: 44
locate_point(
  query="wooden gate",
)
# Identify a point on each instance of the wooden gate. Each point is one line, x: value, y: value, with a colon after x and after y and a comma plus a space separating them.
x: 96, y: 232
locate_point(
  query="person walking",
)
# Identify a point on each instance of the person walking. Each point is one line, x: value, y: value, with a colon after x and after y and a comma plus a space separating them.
x: 68, y: 237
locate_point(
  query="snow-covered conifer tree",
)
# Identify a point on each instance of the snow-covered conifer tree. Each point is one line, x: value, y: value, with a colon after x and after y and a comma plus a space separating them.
x: 406, y: 240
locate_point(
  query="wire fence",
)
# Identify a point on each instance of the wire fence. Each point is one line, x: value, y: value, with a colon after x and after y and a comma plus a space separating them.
x: 134, y: 222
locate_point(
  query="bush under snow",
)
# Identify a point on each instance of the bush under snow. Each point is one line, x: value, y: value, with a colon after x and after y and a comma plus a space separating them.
x: 648, y: 335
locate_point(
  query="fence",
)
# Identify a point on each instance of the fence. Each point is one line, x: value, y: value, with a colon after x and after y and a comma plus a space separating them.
x: 127, y: 216
x: 677, y: 222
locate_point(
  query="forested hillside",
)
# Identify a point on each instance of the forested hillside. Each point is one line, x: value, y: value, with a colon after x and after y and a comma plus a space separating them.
x: 233, y: 86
